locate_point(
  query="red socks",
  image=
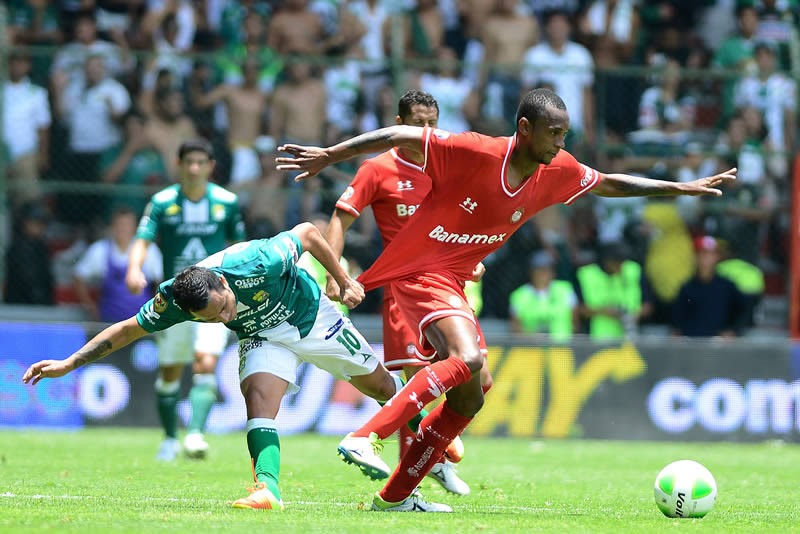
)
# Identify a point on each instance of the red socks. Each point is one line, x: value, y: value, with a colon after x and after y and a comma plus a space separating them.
x: 424, y: 387
x: 436, y: 431
x: 407, y: 437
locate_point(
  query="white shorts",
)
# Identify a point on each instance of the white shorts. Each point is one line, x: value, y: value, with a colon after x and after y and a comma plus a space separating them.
x: 333, y: 345
x: 177, y: 344
x: 245, y: 165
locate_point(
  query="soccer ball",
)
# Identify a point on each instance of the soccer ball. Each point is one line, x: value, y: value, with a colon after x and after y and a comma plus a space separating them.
x: 685, y: 489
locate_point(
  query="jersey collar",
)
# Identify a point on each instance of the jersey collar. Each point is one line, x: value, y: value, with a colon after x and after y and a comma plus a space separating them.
x: 512, y: 142
x: 404, y: 161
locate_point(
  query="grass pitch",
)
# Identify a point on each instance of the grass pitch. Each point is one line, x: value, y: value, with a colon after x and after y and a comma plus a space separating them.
x: 106, y: 480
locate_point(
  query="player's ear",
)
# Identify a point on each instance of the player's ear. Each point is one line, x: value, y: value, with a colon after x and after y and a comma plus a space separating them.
x: 224, y: 281
x: 524, y: 126
x: 398, y: 119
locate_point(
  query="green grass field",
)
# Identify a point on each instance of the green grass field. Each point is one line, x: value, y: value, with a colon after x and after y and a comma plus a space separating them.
x: 106, y: 480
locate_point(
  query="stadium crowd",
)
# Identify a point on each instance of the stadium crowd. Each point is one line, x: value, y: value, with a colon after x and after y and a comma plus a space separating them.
x: 100, y: 93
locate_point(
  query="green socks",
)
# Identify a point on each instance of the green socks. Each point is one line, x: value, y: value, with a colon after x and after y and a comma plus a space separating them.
x: 202, y: 396
x: 167, y: 398
x: 265, y: 450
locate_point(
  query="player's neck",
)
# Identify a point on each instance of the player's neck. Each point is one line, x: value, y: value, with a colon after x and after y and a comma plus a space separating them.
x: 194, y: 192
x: 411, y: 155
x: 520, y: 168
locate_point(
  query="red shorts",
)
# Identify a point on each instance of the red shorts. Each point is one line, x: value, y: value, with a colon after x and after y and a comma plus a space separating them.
x: 425, y: 298
x: 398, y: 339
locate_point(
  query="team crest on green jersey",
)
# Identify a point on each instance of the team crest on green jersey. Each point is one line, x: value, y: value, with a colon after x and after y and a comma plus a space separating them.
x: 159, y: 303
x: 260, y: 296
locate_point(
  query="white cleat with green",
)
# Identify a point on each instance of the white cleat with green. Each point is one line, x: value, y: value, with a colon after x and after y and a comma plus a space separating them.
x: 412, y: 503
x: 364, y: 453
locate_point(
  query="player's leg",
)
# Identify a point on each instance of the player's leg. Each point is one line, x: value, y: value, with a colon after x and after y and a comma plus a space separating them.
x: 266, y: 373
x: 455, y: 338
x: 210, y: 340
x: 174, y: 352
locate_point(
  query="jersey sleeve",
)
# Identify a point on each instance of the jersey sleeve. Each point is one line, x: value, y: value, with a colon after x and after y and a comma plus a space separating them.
x: 92, y: 265
x: 161, y: 312
x: 447, y: 154
x: 235, y: 225
x: 361, y: 191
x: 280, y: 253
x: 148, y: 225
x: 576, y: 179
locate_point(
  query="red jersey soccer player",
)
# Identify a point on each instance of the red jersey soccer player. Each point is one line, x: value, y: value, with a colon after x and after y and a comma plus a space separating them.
x: 394, y: 185
x: 483, y: 189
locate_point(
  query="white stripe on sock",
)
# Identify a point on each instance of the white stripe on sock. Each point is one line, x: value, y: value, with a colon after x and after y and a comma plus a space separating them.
x: 260, y: 422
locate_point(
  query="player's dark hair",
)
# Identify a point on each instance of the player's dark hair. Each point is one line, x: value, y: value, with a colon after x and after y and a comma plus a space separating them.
x: 196, y: 144
x: 192, y: 286
x: 535, y: 103
x: 415, y: 97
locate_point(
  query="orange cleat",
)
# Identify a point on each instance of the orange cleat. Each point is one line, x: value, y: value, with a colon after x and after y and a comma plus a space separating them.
x: 455, y: 451
x: 260, y: 498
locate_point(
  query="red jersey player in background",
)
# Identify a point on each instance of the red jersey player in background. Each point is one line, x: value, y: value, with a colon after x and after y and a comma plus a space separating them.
x: 483, y: 190
x: 394, y: 185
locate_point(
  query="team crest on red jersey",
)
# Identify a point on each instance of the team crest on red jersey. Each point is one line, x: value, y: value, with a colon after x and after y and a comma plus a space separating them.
x: 348, y: 193
x: 517, y: 215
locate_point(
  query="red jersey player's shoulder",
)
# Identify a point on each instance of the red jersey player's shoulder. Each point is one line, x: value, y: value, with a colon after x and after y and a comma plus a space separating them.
x: 473, y: 141
x: 574, y: 178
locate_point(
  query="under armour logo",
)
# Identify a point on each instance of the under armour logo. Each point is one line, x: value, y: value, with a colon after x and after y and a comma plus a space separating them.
x: 404, y: 185
x: 416, y: 400
x: 469, y: 205
x: 435, y: 389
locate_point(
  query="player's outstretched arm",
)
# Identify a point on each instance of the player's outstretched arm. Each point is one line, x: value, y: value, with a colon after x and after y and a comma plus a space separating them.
x: 311, y: 159
x: 351, y: 292
x: 623, y: 185
x: 337, y: 228
x: 112, y: 338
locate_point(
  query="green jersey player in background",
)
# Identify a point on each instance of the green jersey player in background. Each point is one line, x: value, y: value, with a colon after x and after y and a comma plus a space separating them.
x: 282, y: 319
x: 189, y: 220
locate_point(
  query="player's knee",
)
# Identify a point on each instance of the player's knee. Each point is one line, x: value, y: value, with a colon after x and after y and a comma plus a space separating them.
x: 474, y: 360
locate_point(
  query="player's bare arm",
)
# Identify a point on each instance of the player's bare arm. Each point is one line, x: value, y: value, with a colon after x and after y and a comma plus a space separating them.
x: 337, y: 227
x: 351, y: 293
x: 311, y: 160
x: 623, y: 185
x: 135, y: 278
x: 112, y: 338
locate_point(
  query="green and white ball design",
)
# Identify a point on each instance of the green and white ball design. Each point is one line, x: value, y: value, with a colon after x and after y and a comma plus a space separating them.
x: 685, y: 489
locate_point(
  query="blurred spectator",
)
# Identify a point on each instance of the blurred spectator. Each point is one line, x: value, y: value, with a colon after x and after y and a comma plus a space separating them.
x: 92, y: 107
x: 372, y: 14
x: 105, y: 264
x: 615, y: 21
x: 772, y: 93
x: 544, y: 305
x: 506, y: 34
x: 708, y: 304
x: 455, y: 94
x: 747, y: 278
x: 613, y: 294
x: 167, y: 56
x: 134, y: 162
x: 615, y: 89
x: 294, y: 27
x: 232, y: 25
x: 246, y: 106
x: 29, y: 276
x: 666, y: 109
x: 188, y: 14
x: 198, y: 84
x: 737, y: 148
x: 567, y: 68
x: 229, y: 62
x: 422, y: 29
x: 116, y: 17
x: 694, y: 165
x: 265, y: 200
x: 26, y: 129
x: 736, y: 52
x: 345, y: 102
x: 72, y: 57
x: 168, y: 127
x: 778, y: 20
x: 33, y: 22
x: 299, y: 116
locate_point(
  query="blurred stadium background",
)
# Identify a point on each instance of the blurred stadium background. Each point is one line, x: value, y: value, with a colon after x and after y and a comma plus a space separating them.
x: 671, y: 90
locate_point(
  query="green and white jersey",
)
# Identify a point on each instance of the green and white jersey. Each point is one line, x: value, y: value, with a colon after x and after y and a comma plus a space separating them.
x: 186, y: 231
x: 270, y: 289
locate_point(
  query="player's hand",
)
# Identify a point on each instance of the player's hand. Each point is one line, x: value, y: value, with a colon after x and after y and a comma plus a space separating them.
x: 136, y: 281
x: 332, y: 290
x: 352, y: 294
x: 307, y: 159
x: 478, y: 272
x: 46, y: 369
x: 706, y: 186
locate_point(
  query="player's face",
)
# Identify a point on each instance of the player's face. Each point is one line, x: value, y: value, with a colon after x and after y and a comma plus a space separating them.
x: 545, y: 137
x: 221, y: 306
x: 195, y: 167
x: 420, y: 116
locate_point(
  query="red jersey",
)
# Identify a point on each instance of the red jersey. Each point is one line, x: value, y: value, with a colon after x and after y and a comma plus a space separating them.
x: 393, y: 186
x: 471, y: 210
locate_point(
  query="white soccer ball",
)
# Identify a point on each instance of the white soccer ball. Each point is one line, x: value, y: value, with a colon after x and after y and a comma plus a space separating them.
x: 685, y: 489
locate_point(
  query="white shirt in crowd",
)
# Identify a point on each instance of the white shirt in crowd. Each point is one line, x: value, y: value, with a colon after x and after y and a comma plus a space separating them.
x: 342, y: 85
x: 25, y: 111
x: 773, y: 97
x: 91, y: 128
x: 655, y: 113
x: 93, y: 265
x: 451, y: 94
x: 71, y: 59
x: 568, y: 73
